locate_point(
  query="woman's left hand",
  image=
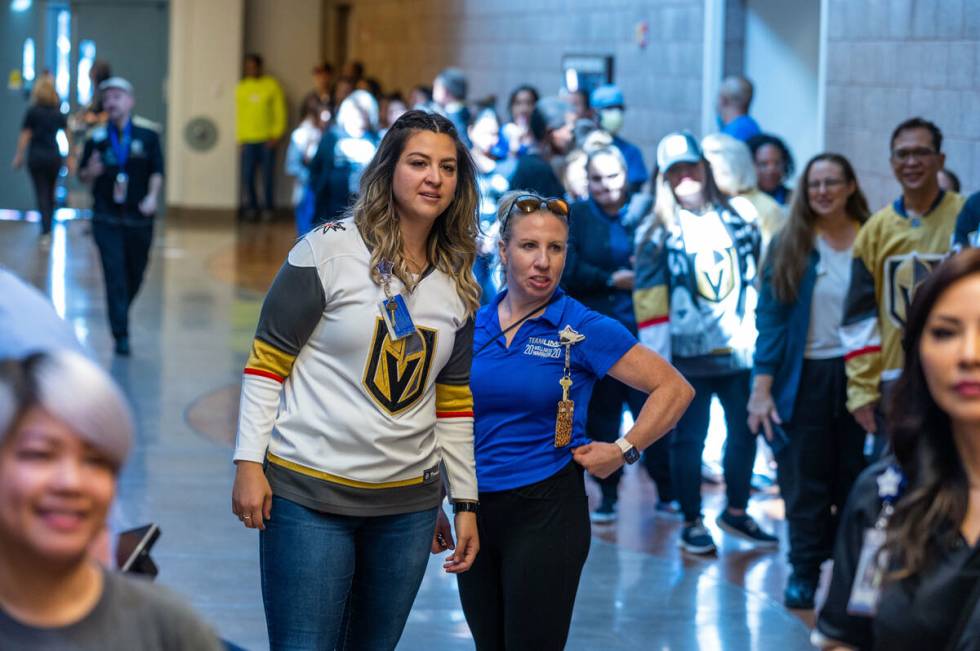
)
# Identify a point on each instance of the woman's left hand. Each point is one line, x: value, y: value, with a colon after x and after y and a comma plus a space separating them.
x: 467, y: 544
x: 600, y: 459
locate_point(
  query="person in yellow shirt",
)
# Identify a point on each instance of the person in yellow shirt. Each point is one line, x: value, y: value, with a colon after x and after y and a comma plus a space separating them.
x: 260, y: 122
x: 894, y: 253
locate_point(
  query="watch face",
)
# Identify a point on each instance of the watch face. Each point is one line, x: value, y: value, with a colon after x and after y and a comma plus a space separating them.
x: 632, y: 456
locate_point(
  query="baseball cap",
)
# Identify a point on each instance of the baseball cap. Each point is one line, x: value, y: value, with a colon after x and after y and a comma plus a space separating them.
x: 606, y: 96
x: 677, y: 147
x: 117, y: 82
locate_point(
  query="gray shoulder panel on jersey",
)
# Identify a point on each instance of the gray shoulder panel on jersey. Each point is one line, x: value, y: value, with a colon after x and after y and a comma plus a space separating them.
x: 293, y: 307
x: 457, y: 369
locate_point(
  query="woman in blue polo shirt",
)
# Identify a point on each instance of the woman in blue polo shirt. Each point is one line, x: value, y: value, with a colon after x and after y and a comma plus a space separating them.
x: 533, y: 344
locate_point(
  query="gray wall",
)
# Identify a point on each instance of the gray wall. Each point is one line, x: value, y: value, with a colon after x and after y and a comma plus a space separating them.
x: 887, y: 61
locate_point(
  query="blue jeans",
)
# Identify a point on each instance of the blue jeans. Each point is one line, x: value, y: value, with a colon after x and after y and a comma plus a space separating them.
x: 255, y: 155
x: 341, y: 582
x: 304, y: 212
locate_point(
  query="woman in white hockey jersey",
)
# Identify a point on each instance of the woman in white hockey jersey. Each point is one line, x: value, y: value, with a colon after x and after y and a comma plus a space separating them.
x: 356, y: 399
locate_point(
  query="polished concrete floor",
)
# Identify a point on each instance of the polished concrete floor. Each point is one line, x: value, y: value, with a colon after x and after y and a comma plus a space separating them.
x: 192, y: 325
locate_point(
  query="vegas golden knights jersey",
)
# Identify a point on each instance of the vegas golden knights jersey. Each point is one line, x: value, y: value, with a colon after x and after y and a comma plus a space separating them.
x: 346, y: 419
x: 893, y: 254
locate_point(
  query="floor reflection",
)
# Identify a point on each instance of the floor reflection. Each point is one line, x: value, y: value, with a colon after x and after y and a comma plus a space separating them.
x: 192, y: 327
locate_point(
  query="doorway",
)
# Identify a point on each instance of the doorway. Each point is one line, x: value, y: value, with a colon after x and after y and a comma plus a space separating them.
x: 782, y: 58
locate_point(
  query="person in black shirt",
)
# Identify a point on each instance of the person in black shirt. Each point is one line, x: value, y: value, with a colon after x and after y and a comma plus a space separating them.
x: 124, y: 163
x: 921, y: 507
x: 38, y: 137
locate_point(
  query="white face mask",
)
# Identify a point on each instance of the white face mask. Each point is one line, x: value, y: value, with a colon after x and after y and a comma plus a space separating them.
x: 611, y: 120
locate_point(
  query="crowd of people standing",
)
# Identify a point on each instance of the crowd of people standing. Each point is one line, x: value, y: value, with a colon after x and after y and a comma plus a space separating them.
x: 752, y: 288
x: 444, y: 250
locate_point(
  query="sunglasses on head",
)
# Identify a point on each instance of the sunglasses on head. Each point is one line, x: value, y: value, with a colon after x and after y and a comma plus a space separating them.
x: 528, y: 203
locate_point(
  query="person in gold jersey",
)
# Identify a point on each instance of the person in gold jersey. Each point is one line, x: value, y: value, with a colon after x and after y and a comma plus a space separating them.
x: 894, y: 253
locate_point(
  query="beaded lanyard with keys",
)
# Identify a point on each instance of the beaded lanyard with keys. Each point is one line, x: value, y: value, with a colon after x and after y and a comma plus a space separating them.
x: 385, y: 269
x: 566, y: 406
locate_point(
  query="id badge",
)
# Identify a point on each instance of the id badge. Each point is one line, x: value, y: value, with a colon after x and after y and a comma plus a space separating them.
x: 397, y: 318
x: 870, y: 571
x: 120, y: 187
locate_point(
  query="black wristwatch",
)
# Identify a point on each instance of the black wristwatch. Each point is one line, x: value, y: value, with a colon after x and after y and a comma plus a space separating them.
x: 465, y: 507
x: 630, y: 453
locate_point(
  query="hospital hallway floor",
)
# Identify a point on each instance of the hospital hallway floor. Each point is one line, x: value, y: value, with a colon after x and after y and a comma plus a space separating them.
x: 191, y: 330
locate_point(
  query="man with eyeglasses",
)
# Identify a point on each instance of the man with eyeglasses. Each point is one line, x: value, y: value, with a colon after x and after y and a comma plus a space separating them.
x: 894, y: 252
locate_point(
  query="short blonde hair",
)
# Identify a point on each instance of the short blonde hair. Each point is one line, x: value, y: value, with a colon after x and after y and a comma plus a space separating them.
x: 731, y: 161
x: 73, y: 389
x: 43, y: 93
x: 357, y: 104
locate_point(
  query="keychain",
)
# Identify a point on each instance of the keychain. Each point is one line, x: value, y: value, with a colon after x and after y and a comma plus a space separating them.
x: 566, y: 406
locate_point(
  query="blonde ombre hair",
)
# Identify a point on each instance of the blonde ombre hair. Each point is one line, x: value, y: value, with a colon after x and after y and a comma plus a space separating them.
x: 451, y: 247
x: 43, y: 93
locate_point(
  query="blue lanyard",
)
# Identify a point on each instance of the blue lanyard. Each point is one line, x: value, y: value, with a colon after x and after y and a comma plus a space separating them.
x: 121, y: 149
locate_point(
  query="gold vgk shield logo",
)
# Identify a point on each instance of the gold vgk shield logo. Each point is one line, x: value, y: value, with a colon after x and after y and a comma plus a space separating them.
x: 903, y: 275
x: 716, y: 272
x: 397, y: 371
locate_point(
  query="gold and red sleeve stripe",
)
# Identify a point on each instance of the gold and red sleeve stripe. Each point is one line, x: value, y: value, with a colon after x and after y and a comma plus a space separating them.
x: 651, y: 306
x: 453, y: 401
x: 861, y: 351
x: 652, y: 322
x: 265, y: 360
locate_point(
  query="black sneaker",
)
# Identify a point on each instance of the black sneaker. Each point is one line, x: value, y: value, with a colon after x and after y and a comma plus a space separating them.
x: 745, y: 527
x: 122, y: 347
x: 606, y: 513
x: 696, y: 539
x: 800, y: 592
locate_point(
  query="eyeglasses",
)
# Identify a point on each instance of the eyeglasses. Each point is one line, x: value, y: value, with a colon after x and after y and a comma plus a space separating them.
x: 829, y: 184
x: 902, y: 155
x: 528, y: 203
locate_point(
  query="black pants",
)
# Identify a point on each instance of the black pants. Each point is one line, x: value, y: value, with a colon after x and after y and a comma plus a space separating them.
x: 603, y: 424
x: 125, y: 251
x: 819, y: 465
x: 534, y: 540
x: 687, y: 444
x: 44, y: 175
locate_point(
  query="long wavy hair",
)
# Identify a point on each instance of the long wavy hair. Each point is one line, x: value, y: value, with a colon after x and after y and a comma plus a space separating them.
x: 927, y: 518
x: 451, y: 247
x: 790, y: 252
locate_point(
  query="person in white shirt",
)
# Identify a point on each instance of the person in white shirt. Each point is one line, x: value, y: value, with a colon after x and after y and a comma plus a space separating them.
x: 356, y: 407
